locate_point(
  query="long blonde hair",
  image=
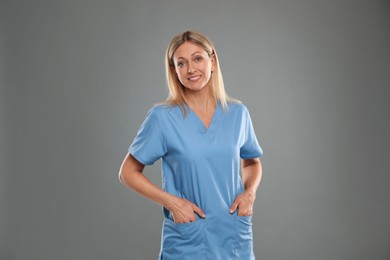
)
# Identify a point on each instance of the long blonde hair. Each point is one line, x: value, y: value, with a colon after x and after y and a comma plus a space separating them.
x: 176, y: 89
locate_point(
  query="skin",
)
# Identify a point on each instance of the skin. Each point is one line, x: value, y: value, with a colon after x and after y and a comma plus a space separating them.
x: 193, y: 67
x: 192, y: 61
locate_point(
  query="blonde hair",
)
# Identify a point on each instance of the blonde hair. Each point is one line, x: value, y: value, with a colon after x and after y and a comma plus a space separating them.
x: 176, y: 89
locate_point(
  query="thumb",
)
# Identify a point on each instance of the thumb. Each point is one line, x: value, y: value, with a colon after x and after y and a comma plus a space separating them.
x: 234, y: 206
x: 199, y: 211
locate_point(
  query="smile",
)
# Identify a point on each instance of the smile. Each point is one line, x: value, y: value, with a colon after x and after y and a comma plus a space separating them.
x: 194, y: 78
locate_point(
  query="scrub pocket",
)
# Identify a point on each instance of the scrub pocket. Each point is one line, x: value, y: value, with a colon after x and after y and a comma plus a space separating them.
x: 183, y: 241
x: 245, y: 237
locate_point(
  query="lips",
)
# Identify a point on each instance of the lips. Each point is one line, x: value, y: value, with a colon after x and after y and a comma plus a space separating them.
x: 194, y: 78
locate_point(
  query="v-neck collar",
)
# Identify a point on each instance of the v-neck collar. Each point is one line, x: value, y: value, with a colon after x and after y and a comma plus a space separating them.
x: 199, y: 123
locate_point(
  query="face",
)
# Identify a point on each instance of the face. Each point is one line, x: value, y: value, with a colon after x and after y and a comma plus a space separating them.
x: 193, y: 66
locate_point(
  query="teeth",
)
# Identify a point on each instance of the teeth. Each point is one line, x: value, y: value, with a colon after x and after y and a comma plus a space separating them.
x: 194, y: 78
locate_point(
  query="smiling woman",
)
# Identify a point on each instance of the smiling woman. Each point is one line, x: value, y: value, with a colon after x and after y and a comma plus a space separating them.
x: 204, y: 139
x: 193, y: 71
x: 199, y: 43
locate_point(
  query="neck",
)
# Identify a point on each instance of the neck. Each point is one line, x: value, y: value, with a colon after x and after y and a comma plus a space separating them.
x: 200, y: 101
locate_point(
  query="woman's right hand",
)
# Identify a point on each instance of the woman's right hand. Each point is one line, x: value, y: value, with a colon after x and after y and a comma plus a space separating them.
x: 131, y: 175
x: 184, y: 211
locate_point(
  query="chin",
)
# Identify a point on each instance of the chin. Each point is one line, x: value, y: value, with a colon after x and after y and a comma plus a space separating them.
x: 195, y: 88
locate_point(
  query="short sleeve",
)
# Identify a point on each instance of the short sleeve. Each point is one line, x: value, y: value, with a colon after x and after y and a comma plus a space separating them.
x: 251, y: 148
x: 149, y: 144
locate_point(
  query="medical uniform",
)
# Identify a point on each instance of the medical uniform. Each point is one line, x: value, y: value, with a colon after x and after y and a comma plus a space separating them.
x: 201, y: 165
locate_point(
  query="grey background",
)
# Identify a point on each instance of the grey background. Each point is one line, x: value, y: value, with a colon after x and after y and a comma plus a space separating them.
x: 77, y: 78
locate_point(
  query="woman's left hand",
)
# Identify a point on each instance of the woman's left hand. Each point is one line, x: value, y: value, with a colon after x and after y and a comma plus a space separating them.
x: 244, y: 203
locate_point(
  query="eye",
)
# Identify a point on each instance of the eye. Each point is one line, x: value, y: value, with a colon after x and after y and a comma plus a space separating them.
x: 198, y: 58
x: 180, y: 64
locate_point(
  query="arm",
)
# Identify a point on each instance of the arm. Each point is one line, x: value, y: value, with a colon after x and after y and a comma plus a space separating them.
x: 130, y: 174
x: 251, y: 177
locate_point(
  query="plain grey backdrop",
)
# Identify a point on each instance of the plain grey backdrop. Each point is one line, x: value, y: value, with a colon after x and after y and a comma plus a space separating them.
x: 77, y: 78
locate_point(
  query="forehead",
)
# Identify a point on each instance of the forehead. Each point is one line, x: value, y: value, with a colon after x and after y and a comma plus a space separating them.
x: 187, y: 49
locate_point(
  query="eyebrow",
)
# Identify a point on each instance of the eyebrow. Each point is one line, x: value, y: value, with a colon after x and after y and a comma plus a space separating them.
x: 197, y: 52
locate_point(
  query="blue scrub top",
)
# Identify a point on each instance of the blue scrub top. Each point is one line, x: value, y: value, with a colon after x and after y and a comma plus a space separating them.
x: 201, y: 165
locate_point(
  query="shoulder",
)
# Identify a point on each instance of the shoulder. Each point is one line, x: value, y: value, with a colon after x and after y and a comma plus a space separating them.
x: 237, y: 107
x: 161, y: 111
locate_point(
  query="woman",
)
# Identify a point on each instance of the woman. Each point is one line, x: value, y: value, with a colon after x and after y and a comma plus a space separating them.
x: 204, y: 138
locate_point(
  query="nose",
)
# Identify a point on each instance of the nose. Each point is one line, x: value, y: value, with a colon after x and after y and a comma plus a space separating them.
x: 190, y: 67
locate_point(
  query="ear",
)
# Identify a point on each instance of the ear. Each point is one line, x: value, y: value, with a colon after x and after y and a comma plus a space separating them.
x: 213, y: 62
x: 173, y: 70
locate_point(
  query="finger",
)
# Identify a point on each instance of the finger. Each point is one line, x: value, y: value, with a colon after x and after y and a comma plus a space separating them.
x: 242, y: 213
x: 199, y: 211
x: 245, y: 212
x: 234, y: 206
